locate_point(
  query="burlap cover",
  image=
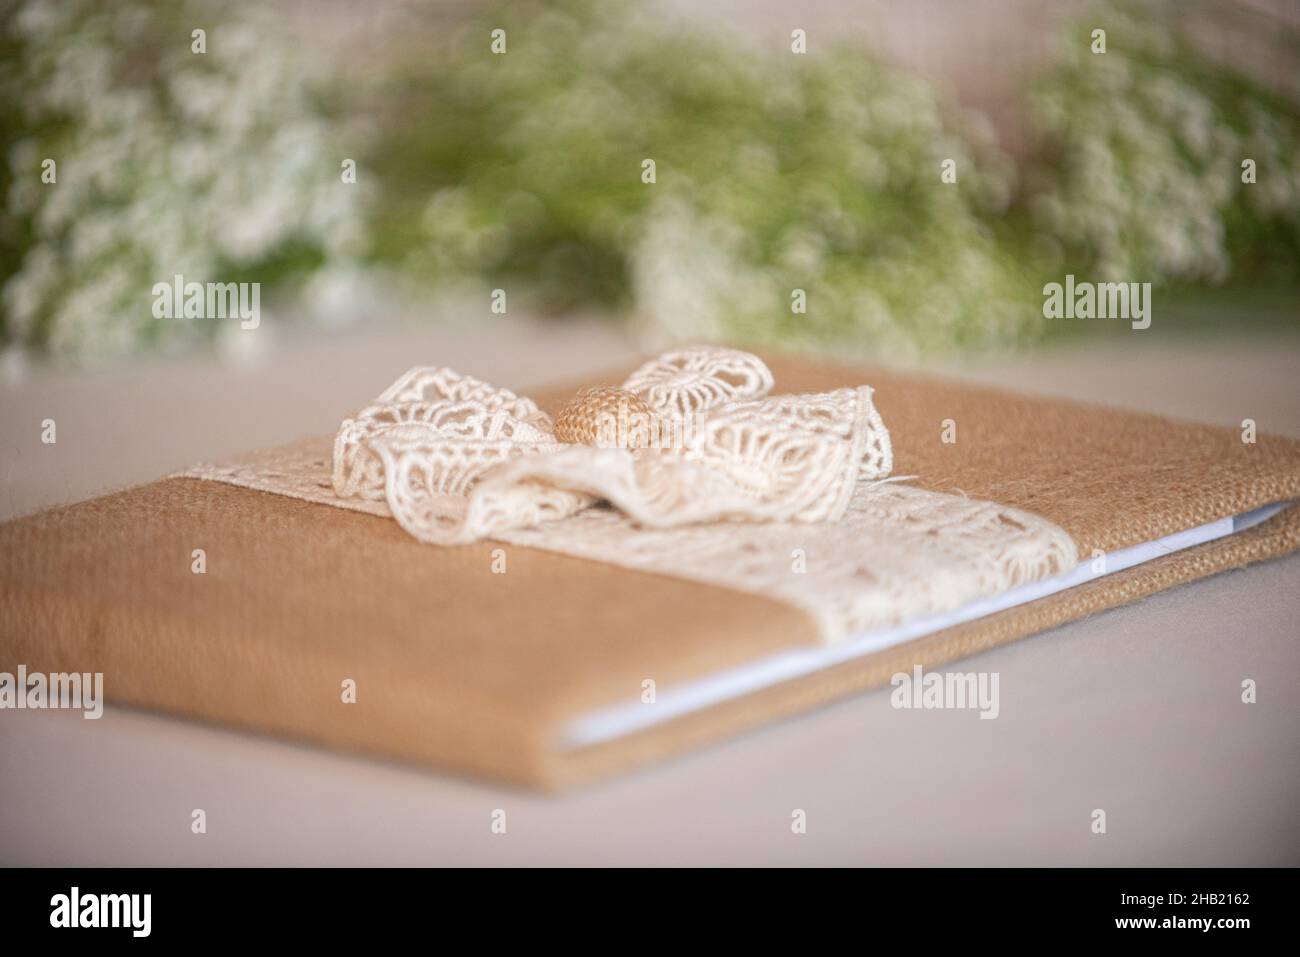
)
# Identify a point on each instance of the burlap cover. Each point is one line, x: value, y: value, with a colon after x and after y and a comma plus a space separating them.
x: 464, y: 669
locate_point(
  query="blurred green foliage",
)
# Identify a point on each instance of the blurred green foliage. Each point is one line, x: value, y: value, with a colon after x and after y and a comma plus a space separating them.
x: 1139, y: 159
x: 774, y: 172
x: 216, y: 164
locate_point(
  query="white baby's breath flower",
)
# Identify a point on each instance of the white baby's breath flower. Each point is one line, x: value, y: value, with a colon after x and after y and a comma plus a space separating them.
x: 208, y: 163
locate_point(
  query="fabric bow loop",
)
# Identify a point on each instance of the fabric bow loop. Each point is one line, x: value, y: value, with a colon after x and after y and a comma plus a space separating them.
x: 690, y: 437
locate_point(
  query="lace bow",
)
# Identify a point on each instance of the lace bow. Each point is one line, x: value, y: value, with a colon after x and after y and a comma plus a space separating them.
x: 692, y: 436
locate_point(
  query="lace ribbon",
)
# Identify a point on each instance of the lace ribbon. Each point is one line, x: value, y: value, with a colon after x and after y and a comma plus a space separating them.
x: 692, y: 437
x: 773, y: 496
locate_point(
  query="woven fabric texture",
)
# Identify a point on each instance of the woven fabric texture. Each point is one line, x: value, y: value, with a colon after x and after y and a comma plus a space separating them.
x: 462, y: 668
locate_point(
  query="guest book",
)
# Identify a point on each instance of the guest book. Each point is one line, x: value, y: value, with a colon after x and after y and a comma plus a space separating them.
x: 546, y: 589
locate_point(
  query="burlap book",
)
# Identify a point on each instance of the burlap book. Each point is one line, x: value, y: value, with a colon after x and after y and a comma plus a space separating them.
x: 460, y: 668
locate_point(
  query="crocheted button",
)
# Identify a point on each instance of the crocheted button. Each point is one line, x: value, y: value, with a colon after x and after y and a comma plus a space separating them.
x: 608, y: 417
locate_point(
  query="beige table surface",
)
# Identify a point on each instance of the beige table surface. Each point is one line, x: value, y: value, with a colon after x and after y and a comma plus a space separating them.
x: 1136, y: 711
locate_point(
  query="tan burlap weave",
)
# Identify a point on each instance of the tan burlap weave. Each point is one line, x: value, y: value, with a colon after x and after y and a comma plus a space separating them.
x: 460, y: 668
